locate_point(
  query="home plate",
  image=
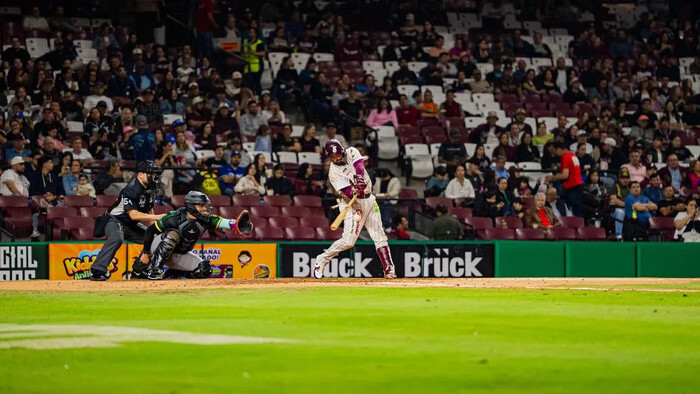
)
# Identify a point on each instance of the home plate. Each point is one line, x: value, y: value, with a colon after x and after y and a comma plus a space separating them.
x: 50, y: 336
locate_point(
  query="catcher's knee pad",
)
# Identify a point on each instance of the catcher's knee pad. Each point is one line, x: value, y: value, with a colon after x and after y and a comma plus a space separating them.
x: 202, y: 271
x: 168, y: 244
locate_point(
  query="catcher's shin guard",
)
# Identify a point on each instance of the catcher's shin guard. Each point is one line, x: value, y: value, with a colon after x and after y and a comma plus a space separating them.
x: 162, y: 254
x: 202, y: 271
x: 387, y: 264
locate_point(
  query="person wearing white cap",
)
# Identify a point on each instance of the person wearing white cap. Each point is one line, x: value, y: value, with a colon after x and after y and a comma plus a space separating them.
x: 13, y: 182
x: 487, y: 133
x: 199, y: 115
x: 235, y: 88
x: 575, y: 94
x: 581, y: 138
x: 611, y: 158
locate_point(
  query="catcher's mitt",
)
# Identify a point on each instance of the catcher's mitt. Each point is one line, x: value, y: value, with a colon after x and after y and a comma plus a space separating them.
x: 243, y: 225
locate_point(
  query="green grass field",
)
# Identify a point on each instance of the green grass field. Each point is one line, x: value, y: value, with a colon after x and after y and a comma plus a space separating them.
x: 364, y: 340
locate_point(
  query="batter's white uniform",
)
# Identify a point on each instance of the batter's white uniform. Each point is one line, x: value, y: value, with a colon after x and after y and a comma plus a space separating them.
x: 342, y: 176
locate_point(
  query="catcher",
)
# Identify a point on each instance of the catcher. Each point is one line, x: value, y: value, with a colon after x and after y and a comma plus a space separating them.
x: 168, y: 243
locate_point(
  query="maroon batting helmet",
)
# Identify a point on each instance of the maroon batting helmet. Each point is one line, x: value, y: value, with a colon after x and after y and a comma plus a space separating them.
x: 333, y: 148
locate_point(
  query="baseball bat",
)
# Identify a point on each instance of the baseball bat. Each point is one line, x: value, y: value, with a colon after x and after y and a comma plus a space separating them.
x: 341, y: 216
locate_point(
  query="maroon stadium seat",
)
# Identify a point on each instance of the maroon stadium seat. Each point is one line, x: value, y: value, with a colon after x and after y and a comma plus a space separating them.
x: 435, y: 139
x: 240, y: 200
x: 105, y: 200
x: 84, y: 234
x: 278, y: 201
x: 78, y: 201
x: 315, y: 221
x: 478, y: 225
x: 571, y: 221
x: 562, y: 234
x: 500, y: 233
x: 91, y: 212
x: 301, y: 233
x: 269, y: 234
x: 220, y: 200
x: 308, y: 201
x: 296, y: 212
x: 178, y: 200
x: 433, y: 202
x: 326, y: 234
x: 529, y: 233
x: 407, y: 130
x: 230, y: 212
x: 460, y: 213
x: 511, y: 222
x: 662, y: 225
x: 72, y: 224
x: 259, y: 222
x: 283, y: 222
x: 406, y: 193
x: 592, y: 234
x: 410, y: 139
x: 265, y: 211
x: 56, y: 215
x: 162, y: 209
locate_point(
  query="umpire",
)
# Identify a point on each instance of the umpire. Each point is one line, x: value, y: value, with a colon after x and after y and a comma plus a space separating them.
x: 122, y: 220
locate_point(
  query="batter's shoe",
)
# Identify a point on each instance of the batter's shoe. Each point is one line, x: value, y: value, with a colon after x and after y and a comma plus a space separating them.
x: 317, y: 273
x: 390, y: 275
x: 155, y: 273
x: 99, y: 276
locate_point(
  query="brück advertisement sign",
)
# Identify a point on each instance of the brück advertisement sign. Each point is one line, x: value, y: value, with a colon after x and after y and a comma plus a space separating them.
x: 411, y: 260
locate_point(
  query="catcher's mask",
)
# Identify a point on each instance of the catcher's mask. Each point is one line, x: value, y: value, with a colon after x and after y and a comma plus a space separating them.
x: 194, y: 198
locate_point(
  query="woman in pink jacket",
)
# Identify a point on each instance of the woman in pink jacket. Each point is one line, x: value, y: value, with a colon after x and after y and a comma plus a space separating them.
x: 383, y: 115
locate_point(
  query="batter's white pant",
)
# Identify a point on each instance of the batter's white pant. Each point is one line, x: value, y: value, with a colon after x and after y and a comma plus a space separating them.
x: 368, y: 212
x: 187, y: 262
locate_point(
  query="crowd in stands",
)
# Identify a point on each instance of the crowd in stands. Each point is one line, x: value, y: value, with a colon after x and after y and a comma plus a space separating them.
x: 611, y: 109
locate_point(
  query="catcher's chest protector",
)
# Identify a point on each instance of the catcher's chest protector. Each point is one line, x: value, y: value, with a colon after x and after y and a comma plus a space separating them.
x: 190, y: 231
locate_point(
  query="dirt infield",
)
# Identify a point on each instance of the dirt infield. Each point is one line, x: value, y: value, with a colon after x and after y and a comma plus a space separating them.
x: 600, y: 284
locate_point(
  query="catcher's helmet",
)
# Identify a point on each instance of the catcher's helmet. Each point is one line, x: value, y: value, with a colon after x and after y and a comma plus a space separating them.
x: 333, y: 148
x: 153, y: 170
x: 194, y: 198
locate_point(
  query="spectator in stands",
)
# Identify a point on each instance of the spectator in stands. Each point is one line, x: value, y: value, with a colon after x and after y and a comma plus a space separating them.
x: 352, y: 108
x: 621, y: 47
x: 406, y: 115
x: 643, y: 133
x: 499, y: 51
x: 386, y: 190
x: 504, y: 149
x: 437, y: 183
x: 308, y: 140
x: 251, y: 183
x: 594, y: 194
x: 35, y: 21
x: 682, y: 153
x: 84, y: 187
x: 171, y: 104
x: 322, y: 95
x: 15, y: 51
x: 487, y: 133
x: 670, y: 205
x: 17, y: 149
x: 45, y: 179
x: 506, y: 203
x: 623, y: 90
x: 392, y: 52
x: 479, y: 85
x: 230, y: 174
x: 586, y: 161
x: 540, y: 215
x: 558, y: 206
x: 602, y: 93
x: 545, y: 82
x: 527, y: 85
x: 570, y: 176
x: 263, y: 140
x: 94, y: 124
x: 474, y: 174
x: 526, y: 151
x: 656, y: 154
x: 687, y: 223
x: 540, y: 49
x: 142, y: 142
x: 499, y: 167
x: 611, y: 157
x: 331, y: 134
x: 459, y: 187
x: 497, y: 73
x: 637, y: 171
x: 305, y: 182
x: 273, y: 114
x: 285, y: 142
x: 48, y: 148
x: 383, y: 115
x: 252, y: 120
x: 399, y: 230
x: 452, y: 153
x: 575, y: 94
x: 60, y: 22
x: 12, y: 180
x: 451, y: 108
x: 121, y: 87
x: 206, y: 26
x: 665, y: 133
x: 216, y: 162
x: 654, y: 191
x: 279, y: 184
x: 112, y: 181
x: 694, y: 174
x: 638, y: 210
x: 71, y: 181
x: 445, y: 227
x: 519, y: 119
x: 105, y: 40
x: 142, y: 77
x: 429, y: 109
x: 205, y: 138
x: 542, y: 137
x: 691, y: 115
x: 673, y: 174
x: 103, y: 148
x: 403, y: 76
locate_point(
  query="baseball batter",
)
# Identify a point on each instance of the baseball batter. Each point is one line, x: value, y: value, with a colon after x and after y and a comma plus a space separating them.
x: 348, y: 176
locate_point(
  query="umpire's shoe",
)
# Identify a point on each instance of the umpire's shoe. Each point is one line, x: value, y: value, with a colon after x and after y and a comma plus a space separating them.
x: 99, y: 276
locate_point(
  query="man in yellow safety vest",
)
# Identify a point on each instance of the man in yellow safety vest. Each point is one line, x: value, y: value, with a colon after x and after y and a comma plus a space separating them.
x: 253, y: 51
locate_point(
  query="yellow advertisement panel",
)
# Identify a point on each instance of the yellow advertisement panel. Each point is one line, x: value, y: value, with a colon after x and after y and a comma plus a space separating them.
x: 247, y: 261
x: 74, y: 260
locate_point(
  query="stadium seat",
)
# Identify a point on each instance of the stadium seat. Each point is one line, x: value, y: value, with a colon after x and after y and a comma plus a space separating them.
x: 231, y: 212
x: 478, y: 225
x: 78, y: 201
x: 659, y: 225
x: 84, y: 234
x: 296, y: 212
x: 571, y: 221
x: 162, y: 209
x: 72, y: 224
x: 278, y: 201
x: 460, y: 213
x: 592, y: 234
x: 500, y: 233
x: 562, y: 234
x: 220, y: 200
x: 178, y: 200
x: 91, y: 212
x: 433, y: 202
x: 265, y: 212
x: 529, y: 233
x: 511, y: 222
x: 105, y: 200
x: 269, y: 234
x: 283, y: 222
x: 314, y: 221
x: 326, y: 234
x: 301, y: 233
x: 308, y: 201
x: 240, y: 200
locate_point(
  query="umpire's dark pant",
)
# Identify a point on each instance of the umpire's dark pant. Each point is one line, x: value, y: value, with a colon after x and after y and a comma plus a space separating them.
x: 116, y: 234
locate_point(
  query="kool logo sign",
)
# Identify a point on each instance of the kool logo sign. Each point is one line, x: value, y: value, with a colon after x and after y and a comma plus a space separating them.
x: 74, y: 260
x: 17, y: 263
